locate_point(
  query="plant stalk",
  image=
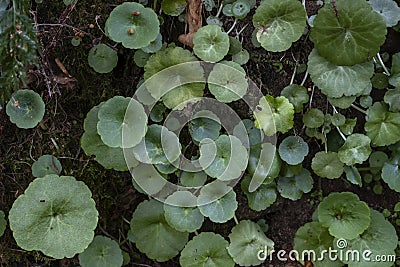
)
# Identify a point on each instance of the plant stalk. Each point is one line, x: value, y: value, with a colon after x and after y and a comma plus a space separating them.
x: 359, y: 109
x: 386, y: 71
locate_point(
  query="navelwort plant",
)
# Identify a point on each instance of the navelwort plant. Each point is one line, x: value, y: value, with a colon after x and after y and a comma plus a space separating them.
x: 137, y: 134
x: 346, y: 224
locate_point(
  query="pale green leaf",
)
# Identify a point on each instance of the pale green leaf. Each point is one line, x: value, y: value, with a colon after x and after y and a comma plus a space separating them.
x: 246, y: 240
x: 102, y: 252
x: 152, y: 234
x: 55, y: 215
x: 206, y: 249
x: 344, y: 214
x: 337, y: 81
x: 279, y: 23
x: 348, y: 32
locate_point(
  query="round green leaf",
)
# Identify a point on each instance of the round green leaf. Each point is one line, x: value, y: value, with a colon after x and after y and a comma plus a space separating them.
x: 154, y: 46
x: 227, y: 81
x: 108, y: 157
x: 380, y: 81
x: 152, y: 234
x: 348, y: 127
x: 344, y: 214
x: 122, y: 122
x: 391, y: 172
x: 348, y: 32
x: 264, y: 165
x: 313, y: 118
x: 46, y: 164
x: 356, y: 149
x: 388, y: 9
x: 254, y: 135
x: 274, y: 115
x: 102, y: 252
x: 294, y: 187
x: 327, y: 165
x: 297, y: 95
x: 377, y: 159
x: 206, y: 249
x: 338, y: 119
x: 146, y: 179
x: 222, y: 209
x: 313, y: 236
x: 173, y: 7
x: 211, y: 43
x: 392, y: 98
x: 157, y: 112
x: 342, y: 102
x: 293, y: 149
x: 380, y: 239
x: 225, y: 159
x: 159, y: 146
x: 235, y: 46
x: 3, y: 222
x: 133, y: 25
x: 102, y: 58
x: 382, y: 126
x: 204, y: 125
x: 260, y: 199
x: 227, y: 10
x: 241, y: 57
x: 55, y: 215
x: 395, y: 80
x: 246, y: 240
x: 240, y: 8
x: 140, y: 58
x: 193, y: 179
x: 25, y: 109
x: 279, y: 23
x: 353, y: 175
x: 335, y: 80
x: 75, y: 42
x: 185, y: 217
x: 172, y: 81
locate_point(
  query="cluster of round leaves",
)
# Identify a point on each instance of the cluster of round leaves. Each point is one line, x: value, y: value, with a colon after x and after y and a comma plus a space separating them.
x: 104, y: 127
x: 343, y: 222
x: 161, y: 232
x: 176, y: 76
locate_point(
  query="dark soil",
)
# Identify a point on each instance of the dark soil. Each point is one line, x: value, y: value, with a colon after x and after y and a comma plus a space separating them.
x: 67, y: 105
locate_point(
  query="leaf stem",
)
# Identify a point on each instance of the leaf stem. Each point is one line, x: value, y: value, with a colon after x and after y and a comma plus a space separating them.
x: 304, y: 79
x: 235, y: 219
x: 359, y: 109
x: 233, y: 26
x: 196, y: 233
x: 155, y: 6
x: 337, y: 128
x: 219, y: 10
x: 294, y: 74
x: 386, y: 71
x: 312, y: 94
